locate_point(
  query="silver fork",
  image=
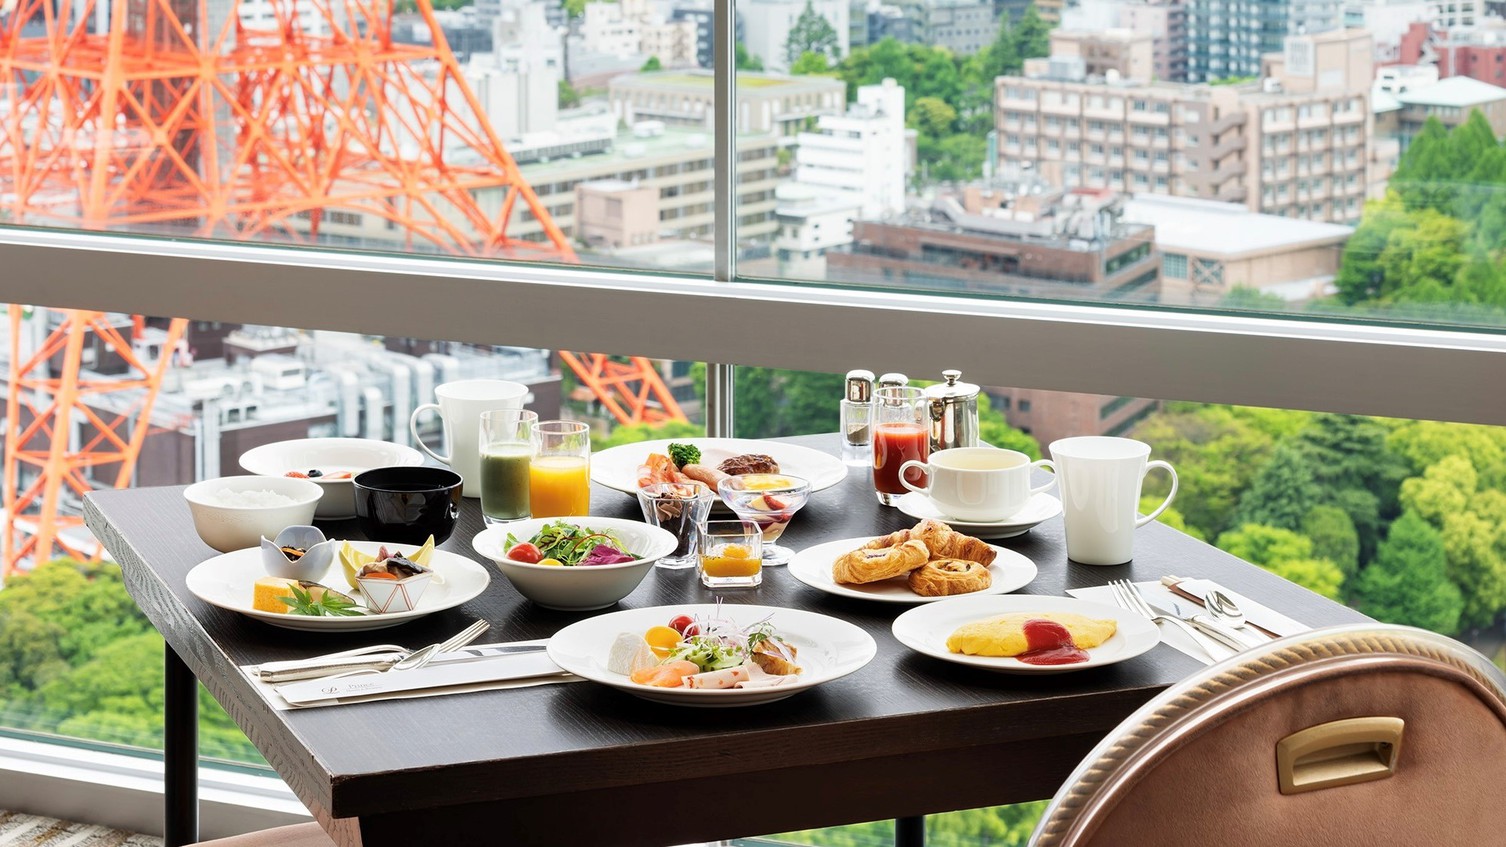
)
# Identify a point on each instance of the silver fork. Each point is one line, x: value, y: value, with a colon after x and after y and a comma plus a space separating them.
x: 425, y: 655
x: 335, y: 666
x: 1127, y: 594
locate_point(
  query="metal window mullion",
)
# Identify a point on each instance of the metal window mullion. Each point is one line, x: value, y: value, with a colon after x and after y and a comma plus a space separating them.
x: 719, y: 377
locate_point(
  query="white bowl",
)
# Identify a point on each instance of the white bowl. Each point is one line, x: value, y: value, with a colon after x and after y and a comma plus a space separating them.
x: 330, y: 455
x: 584, y: 587
x: 230, y: 528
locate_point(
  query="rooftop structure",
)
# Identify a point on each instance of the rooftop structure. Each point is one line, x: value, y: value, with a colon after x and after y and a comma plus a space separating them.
x: 765, y: 102
x: 1114, y: 52
x: 1450, y: 101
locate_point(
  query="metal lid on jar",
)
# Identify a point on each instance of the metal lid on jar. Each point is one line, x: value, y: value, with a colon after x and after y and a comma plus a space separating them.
x: 952, y: 387
x: 860, y: 386
x: 893, y: 379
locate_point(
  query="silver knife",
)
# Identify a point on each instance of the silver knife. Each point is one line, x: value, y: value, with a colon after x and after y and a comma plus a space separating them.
x: 289, y: 671
x: 1206, y: 625
x: 433, y: 675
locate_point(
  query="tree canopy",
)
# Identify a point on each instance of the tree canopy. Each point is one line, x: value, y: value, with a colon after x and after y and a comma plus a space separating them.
x: 812, y: 33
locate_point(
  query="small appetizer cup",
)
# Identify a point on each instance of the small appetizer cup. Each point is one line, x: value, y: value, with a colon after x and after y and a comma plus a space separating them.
x: 769, y: 500
x: 318, y: 552
x: 679, y: 508
x: 731, y: 554
x: 386, y: 596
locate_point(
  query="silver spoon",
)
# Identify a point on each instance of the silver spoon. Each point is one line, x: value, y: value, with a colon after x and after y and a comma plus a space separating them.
x: 1224, y: 610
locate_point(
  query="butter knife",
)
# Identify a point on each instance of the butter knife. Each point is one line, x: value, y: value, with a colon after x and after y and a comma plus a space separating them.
x: 1204, y: 624
x: 288, y: 671
x: 434, y: 675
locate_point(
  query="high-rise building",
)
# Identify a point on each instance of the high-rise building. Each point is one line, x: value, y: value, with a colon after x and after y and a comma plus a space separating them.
x: 862, y: 152
x: 1227, y: 39
x: 1163, y: 21
x: 1294, y: 143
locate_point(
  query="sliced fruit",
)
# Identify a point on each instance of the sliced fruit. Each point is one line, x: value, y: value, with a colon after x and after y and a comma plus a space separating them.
x: 551, y: 562
x: 662, y: 640
x: 737, y: 551
x: 424, y: 553
x: 351, y: 562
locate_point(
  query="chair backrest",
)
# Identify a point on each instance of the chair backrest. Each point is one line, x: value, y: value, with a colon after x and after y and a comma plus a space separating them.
x: 1366, y: 735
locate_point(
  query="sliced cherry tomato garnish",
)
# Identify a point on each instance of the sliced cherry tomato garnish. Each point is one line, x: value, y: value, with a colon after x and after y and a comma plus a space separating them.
x: 680, y: 624
x: 526, y: 553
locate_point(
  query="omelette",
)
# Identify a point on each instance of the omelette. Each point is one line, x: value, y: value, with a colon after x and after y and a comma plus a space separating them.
x: 1004, y: 635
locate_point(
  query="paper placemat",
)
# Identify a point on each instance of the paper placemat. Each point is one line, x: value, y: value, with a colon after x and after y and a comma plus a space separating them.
x: 1162, y: 597
x: 269, y: 693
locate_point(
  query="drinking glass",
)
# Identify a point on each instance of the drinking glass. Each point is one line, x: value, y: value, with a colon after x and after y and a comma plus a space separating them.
x: 506, y: 453
x: 731, y: 554
x: 900, y: 435
x: 681, y: 508
x: 559, y: 477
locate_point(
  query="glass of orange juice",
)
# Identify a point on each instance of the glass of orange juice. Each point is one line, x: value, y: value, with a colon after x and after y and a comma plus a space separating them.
x: 731, y: 554
x: 559, y: 477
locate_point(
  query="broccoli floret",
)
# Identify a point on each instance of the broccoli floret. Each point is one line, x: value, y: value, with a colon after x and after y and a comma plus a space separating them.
x: 684, y: 454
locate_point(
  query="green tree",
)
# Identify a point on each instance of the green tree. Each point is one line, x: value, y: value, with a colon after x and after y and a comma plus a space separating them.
x: 812, y: 33
x: 653, y: 64
x: 1248, y: 299
x: 1002, y: 57
x: 932, y: 116
x: 1286, y: 554
x: 1333, y: 536
x: 1169, y: 516
x: 632, y: 433
x: 747, y: 61
x: 810, y: 63
x: 1282, y: 493
x: 1032, y: 35
x: 1408, y: 581
x: 1472, y: 524
x: 569, y: 98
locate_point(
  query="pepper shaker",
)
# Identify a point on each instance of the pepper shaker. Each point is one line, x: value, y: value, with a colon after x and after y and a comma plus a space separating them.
x: 857, y: 419
x: 953, y: 409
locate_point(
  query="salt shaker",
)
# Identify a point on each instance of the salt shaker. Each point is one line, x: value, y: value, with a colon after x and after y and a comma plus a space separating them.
x: 893, y: 380
x: 953, y: 412
x: 857, y: 419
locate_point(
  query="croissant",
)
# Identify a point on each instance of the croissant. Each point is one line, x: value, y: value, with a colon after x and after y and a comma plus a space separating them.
x: 893, y: 539
x: 866, y: 565
x: 947, y: 543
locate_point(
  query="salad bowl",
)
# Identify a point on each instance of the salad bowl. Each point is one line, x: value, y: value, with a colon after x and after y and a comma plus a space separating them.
x: 572, y: 586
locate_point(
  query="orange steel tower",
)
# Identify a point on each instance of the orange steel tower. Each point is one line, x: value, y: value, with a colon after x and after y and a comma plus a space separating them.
x: 188, y: 117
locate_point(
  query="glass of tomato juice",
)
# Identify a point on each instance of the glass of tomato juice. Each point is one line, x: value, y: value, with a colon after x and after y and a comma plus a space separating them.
x: 899, y: 435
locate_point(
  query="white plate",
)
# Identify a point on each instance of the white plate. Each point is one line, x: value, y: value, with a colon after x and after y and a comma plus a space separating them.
x: 226, y: 581
x: 925, y: 630
x: 1041, y: 508
x: 812, y: 566
x: 617, y: 467
x: 827, y: 648
x: 331, y: 455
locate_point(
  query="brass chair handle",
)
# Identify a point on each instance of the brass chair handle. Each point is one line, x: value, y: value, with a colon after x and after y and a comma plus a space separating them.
x: 1338, y: 753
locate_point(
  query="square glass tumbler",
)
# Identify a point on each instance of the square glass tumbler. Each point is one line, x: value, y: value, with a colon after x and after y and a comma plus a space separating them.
x: 731, y: 554
x: 680, y: 508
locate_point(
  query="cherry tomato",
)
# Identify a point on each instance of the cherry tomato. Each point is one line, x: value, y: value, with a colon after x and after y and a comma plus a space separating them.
x: 680, y: 624
x: 692, y: 630
x: 526, y: 553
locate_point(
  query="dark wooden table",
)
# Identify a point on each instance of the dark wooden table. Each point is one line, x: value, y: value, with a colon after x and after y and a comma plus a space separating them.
x: 583, y: 764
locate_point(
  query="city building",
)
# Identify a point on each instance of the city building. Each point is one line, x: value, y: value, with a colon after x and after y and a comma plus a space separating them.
x: 1165, y: 21
x: 704, y: 17
x: 961, y: 26
x: 766, y: 26
x: 766, y: 103
x: 631, y: 28
x: 517, y: 82
x: 1014, y: 236
x: 862, y: 152
x: 612, y: 214
x: 1450, y: 101
x: 1478, y: 52
x: 1110, y: 52
x: 1208, y: 249
x: 1227, y: 41
x: 1294, y: 143
x: 811, y: 223
x: 1052, y: 415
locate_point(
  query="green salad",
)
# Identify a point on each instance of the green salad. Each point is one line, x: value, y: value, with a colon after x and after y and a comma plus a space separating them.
x: 569, y: 544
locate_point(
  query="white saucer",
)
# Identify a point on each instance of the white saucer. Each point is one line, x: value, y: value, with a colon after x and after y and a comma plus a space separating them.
x: 1041, y: 508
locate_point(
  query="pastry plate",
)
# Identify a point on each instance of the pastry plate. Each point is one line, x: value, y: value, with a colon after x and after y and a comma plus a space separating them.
x: 827, y: 649
x: 226, y: 581
x: 925, y: 630
x: 812, y: 566
x: 617, y: 467
x: 1041, y: 508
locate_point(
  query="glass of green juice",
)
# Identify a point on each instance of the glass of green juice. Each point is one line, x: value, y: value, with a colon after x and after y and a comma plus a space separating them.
x: 506, y: 454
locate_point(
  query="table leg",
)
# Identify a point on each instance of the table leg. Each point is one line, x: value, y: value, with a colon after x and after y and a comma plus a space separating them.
x: 180, y: 752
x: 910, y: 832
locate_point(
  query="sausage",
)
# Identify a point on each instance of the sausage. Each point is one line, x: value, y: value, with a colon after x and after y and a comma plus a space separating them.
x: 704, y: 473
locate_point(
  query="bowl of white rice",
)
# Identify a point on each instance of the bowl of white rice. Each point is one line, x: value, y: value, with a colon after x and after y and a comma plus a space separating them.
x: 234, y: 512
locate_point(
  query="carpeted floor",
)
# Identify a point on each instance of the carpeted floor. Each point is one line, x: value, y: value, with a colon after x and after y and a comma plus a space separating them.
x: 18, y: 830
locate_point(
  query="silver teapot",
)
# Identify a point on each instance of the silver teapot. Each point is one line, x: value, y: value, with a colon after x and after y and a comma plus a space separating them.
x: 954, y: 412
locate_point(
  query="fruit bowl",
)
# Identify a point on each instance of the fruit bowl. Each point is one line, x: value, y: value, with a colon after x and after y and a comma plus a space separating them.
x: 769, y: 500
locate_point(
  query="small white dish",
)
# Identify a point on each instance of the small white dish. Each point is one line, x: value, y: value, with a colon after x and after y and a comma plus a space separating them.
x: 227, y: 528
x: 1010, y: 571
x: 226, y: 581
x: 1041, y: 508
x: 386, y: 596
x: 617, y: 467
x: 925, y: 630
x: 826, y: 649
x: 330, y: 456
x: 318, y: 552
x: 577, y: 588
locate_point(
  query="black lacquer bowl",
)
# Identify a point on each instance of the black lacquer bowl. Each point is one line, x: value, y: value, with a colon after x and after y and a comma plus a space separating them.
x: 407, y: 504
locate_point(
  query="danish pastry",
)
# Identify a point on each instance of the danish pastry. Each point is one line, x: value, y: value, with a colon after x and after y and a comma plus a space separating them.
x: 945, y: 577
x: 866, y: 565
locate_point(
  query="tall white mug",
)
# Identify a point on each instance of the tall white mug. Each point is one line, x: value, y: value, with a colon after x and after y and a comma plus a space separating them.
x: 460, y: 406
x: 981, y: 484
x: 1100, y: 480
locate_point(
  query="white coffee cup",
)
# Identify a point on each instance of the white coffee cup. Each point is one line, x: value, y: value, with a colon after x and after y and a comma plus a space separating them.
x: 982, y: 484
x: 1100, y: 481
x: 460, y: 406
